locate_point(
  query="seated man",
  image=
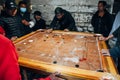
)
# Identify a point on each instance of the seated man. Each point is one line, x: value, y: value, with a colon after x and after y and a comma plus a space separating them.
x: 63, y: 20
x: 40, y: 23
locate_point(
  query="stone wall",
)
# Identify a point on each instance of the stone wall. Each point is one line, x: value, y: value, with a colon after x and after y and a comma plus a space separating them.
x: 81, y: 10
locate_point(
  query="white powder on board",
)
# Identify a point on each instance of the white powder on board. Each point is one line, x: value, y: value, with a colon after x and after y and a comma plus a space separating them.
x: 73, y: 59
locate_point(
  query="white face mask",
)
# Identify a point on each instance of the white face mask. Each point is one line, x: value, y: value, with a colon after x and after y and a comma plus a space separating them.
x: 23, y: 10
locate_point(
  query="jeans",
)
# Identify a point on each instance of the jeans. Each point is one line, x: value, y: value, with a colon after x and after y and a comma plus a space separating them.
x: 115, y: 54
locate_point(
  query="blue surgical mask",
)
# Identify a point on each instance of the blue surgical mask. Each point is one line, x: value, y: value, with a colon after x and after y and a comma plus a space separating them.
x: 23, y: 10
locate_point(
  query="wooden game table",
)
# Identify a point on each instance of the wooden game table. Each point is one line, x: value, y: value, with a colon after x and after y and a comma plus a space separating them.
x: 75, y: 55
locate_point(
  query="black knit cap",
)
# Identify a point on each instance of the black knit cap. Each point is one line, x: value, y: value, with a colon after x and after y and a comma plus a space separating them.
x: 10, y: 4
x: 58, y: 10
x: 37, y: 13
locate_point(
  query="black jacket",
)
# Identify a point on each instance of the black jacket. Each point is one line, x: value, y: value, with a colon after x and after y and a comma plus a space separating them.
x: 39, y: 25
x: 103, y: 24
x: 25, y: 16
x: 12, y: 26
x: 67, y: 22
x: 116, y: 34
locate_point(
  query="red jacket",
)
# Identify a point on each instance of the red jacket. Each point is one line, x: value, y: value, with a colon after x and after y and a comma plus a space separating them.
x: 9, y: 67
x: 2, y: 30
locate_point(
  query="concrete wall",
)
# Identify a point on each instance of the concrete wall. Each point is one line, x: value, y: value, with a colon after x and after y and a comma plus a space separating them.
x: 81, y: 10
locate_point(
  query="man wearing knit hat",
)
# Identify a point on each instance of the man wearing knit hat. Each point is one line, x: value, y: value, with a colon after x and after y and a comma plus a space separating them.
x: 63, y: 20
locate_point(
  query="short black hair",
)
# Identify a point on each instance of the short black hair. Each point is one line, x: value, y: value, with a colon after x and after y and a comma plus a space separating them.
x: 22, y: 2
x: 37, y: 13
x: 58, y: 10
x: 103, y: 2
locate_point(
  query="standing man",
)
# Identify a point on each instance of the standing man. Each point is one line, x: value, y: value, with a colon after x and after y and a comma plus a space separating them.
x: 24, y: 15
x: 115, y: 26
x: 63, y: 20
x: 114, y: 41
x: 115, y: 51
x: 102, y: 20
x: 115, y: 33
x: 10, y: 22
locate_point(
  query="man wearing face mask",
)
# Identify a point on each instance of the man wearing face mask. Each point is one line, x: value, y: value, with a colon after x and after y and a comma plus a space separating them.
x: 25, y: 15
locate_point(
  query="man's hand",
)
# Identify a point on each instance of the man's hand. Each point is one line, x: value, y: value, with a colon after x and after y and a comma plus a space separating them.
x: 53, y: 76
x: 14, y: 38
x: 49, y: 30
x: 105, y: 52
x: 25, y: 22
x: 66, y: 30
x: 106, y: 38
x: 102, y: 38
